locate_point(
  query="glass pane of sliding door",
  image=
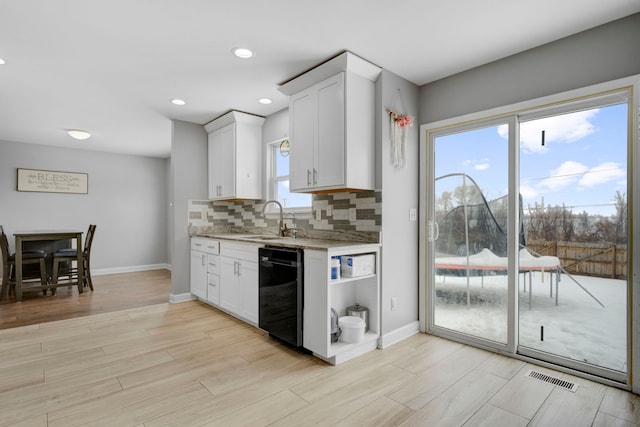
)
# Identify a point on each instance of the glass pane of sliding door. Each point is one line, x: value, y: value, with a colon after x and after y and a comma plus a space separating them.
x: 573, y: 280
x: 468, y: 234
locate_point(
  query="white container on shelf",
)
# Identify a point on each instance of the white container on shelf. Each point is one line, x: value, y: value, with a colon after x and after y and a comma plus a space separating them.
x: 351, y: 329
x: 358, y: 265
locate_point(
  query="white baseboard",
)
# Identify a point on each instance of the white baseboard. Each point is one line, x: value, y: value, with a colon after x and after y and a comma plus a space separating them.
x: 178, y: 298
x: 399, y: 334
x: 130, y: 269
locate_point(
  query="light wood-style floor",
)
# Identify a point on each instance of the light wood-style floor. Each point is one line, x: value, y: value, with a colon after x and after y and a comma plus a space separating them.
x: 189, y: 364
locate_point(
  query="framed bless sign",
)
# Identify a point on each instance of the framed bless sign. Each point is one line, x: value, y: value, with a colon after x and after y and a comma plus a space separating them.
x: 52, y: 181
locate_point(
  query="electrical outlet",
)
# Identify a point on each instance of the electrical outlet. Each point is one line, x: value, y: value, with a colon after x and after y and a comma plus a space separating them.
x: 318, y: 214
x: 352, y: 214
x: 204, y: 215
x: 329, y: 211
x: 413, y: 214
x: 394, y: 303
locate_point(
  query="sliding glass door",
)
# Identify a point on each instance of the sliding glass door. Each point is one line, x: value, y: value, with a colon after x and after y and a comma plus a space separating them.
x: 573, y: 179
x: 526, y: 233
x: 469, y: 235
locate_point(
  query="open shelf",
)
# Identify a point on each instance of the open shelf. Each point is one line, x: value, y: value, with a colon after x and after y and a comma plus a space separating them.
x: 339, y: 347
x: 350, y: 279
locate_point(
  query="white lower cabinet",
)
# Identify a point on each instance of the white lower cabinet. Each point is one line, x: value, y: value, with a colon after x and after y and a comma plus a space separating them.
x: 204, y: 268
x: 321, y: 294
x: 225, y: 274
x: 239, y: 280
x: 198, y: 277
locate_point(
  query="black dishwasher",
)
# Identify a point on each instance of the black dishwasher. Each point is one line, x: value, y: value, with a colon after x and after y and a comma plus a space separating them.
x: 281, y: 293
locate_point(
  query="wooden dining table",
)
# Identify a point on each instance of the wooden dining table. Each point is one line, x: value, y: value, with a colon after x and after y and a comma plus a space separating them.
x: 41, y: 235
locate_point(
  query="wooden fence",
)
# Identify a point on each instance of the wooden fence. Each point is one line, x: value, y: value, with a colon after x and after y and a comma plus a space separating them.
x: 587, y: 259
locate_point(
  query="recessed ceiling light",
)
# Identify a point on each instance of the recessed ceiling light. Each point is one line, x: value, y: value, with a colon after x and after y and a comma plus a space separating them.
x: 178, y: 102
x: 265, y: 101
x: 78, y: 134
x: 2, y: 61
x: 242, y: 52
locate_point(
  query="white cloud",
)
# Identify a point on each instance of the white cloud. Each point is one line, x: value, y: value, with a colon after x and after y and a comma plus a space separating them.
x: 482, y: 166
x: 601, y: 174
x: 565, y: 128
x: 568, y: 173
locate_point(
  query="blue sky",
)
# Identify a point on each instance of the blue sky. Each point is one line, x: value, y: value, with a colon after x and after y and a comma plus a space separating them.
x: 582, y: 163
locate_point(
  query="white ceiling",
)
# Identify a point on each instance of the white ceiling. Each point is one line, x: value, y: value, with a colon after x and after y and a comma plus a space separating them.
x: 112, y: 66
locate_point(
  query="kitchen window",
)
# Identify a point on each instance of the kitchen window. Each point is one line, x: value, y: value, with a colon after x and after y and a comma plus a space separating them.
x: 278, y: 178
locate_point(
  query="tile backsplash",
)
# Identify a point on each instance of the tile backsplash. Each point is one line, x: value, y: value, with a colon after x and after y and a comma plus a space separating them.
x: 248, y: 213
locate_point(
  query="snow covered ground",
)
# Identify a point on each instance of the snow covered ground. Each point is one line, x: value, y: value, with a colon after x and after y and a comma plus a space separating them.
x: 578, y: 328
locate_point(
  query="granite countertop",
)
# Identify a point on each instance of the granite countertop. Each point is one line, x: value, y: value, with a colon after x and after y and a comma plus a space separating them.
x: 289, y: 242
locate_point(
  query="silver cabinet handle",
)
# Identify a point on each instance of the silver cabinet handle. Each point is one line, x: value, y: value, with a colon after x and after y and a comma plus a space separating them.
x: 308, y: 177
x: 315, y: 176
x: 203, y: 261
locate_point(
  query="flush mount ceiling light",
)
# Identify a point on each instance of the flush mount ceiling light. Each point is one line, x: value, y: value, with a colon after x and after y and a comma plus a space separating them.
x: 2, y: 61
x: 265, y: 101
x: 78, y: 134
x: 178, y: 102
x: 242, y: 52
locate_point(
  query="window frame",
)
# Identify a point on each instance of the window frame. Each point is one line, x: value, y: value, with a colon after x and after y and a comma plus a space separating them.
x: 272, y: 184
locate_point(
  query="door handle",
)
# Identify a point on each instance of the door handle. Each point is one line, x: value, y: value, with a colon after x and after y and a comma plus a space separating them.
x: 433, y: 231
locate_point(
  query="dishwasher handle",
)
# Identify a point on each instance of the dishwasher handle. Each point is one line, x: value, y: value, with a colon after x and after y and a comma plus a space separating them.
x: 268, y: 261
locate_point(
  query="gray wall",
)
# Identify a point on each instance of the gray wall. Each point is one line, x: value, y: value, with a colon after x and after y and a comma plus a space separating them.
x: 127, y: 197
x: 597, y: 55
x: 400, y: 193
x: 188, y: 181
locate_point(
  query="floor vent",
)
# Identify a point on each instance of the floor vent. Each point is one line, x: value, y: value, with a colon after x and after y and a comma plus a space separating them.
x: 567, y: 385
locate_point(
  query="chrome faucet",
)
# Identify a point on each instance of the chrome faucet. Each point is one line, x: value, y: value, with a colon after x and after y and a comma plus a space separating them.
x: 281, y: 227
x: 294, y: 228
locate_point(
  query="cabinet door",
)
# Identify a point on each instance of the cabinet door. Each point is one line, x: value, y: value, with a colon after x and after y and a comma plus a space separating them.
x: 248, y: 281
x: 222, y: 163
x: 302, y: 110
x: 229, y: 289
x: 198, y: 279
x: 317, y: 311
x: 329, y: 149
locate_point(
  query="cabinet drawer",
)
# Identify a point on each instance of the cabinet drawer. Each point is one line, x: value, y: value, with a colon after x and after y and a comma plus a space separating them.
x: 205, y: 245
x: 213, y: 289
x: 213, y: 264
x: 240, y: 251
x: 198, y: 244
x: 212, y: 247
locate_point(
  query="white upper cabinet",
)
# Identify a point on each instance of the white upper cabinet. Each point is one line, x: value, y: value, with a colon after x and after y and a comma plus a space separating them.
x: 331, y: 110
x: 235, y: 156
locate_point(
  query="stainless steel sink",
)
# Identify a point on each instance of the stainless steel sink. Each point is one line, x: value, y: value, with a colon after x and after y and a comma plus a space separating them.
x: 269, y: 238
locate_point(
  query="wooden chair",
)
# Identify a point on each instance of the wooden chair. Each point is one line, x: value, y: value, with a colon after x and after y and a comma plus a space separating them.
x: 63, y: 259
x: 32, y: 256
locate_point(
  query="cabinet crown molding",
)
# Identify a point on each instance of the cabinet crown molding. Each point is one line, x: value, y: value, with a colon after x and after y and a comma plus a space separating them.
x: 233, y: 116
x: 345, y: 61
